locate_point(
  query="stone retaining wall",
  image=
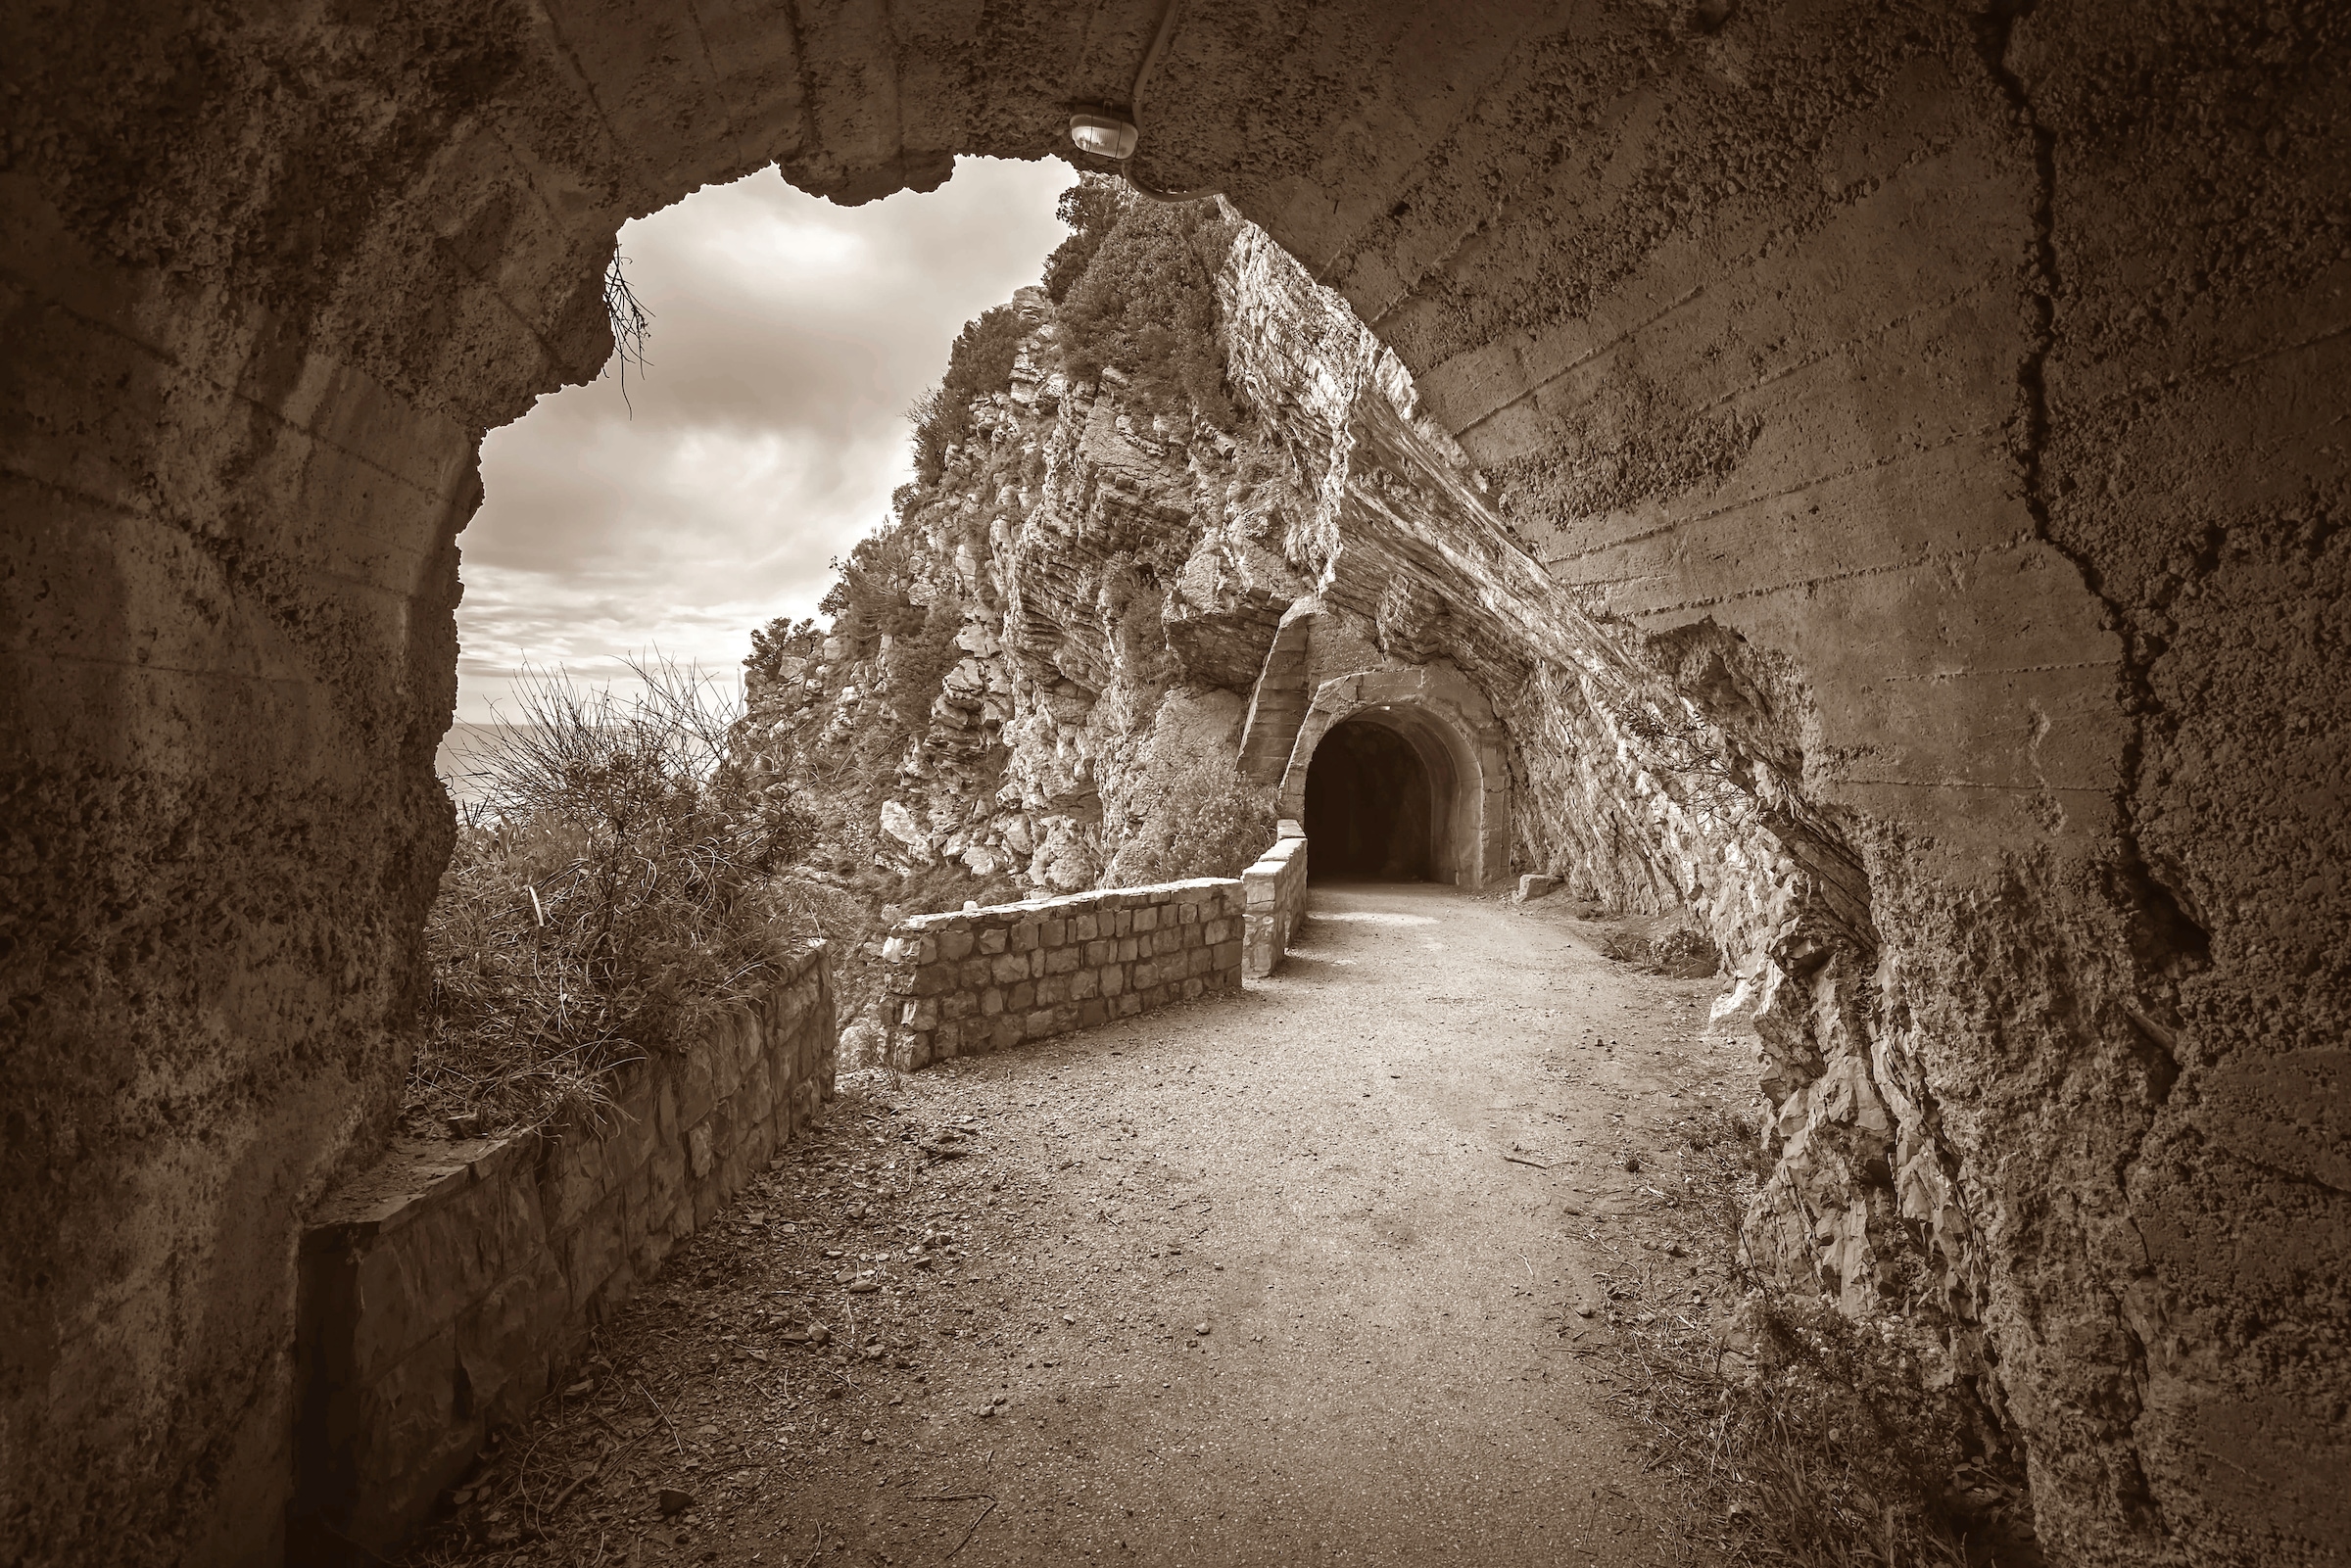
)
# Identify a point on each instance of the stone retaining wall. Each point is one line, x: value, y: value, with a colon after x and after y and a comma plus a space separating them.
x: 1275, y: 891
x: 445, y: 1287
x: 986, y: 979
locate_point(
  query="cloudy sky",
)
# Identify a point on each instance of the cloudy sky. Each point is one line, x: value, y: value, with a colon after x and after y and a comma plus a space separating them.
x: 789, y: 336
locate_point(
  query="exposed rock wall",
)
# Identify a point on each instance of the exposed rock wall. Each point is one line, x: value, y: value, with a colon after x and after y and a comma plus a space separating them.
x: 1107, y: 612
x: 1944, y: 394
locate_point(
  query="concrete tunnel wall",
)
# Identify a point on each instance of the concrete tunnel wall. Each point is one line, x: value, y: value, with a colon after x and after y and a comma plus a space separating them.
x: 1983, y: 366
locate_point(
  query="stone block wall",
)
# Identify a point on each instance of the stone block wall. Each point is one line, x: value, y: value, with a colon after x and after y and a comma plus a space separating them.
x: 986, y: 979
x: 1275, y: 890
x: 444, y: 1288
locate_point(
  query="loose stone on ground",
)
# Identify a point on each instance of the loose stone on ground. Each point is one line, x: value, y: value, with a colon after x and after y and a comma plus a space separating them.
x: 1247, y: 1281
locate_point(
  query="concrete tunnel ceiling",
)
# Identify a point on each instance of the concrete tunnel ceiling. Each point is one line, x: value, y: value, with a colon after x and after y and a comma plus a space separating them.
x: 1970, y: 376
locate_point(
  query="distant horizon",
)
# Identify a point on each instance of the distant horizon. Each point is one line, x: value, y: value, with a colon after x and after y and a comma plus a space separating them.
x: 452, y: 754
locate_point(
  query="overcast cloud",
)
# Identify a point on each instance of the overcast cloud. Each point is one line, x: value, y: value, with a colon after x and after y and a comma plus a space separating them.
x: 789, y: 336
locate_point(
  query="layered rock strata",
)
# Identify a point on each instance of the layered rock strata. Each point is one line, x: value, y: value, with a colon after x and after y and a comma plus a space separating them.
x: 1952, y: 379
x: 1335, y: 554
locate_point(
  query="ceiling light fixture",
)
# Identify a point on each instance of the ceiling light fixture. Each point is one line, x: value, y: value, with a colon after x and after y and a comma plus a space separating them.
x: 1112, y: 134
x: 1104, y: 133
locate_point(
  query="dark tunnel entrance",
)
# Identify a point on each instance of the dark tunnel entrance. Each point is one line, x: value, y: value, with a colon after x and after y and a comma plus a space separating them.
x: 1368, y: 805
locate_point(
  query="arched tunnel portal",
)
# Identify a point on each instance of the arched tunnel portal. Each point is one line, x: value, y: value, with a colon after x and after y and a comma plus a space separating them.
x: 1375, y: 805
x: 1398, y: 776
x: 1828, y: 327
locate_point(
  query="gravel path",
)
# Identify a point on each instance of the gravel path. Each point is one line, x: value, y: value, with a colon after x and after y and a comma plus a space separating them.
x: 1306, y: 1275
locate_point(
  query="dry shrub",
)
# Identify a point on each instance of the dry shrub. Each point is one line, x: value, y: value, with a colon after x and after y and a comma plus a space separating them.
x: 1806, y: 1440
x: 1685, y: 953
x: 615, y: 892
x: 1681, y: 952
x: 1202, y: 819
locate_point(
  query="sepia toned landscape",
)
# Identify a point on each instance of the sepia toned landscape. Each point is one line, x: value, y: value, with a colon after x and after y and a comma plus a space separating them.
x: 1585, y: 805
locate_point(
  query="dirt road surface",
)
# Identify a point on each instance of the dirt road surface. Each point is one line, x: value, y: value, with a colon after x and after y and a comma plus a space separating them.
x: 1314, y: 1274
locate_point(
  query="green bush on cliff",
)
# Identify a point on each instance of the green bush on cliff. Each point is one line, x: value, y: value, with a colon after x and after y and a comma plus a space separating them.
x: 1135, y: 282
x: 1201, y: 819
x: 1140, y: 297
x: 874, y: 594
x: 919, y: 662
x: 979, y: 364
x: 779, y: 638
x: 616, y: 891
x: 1090, y: 207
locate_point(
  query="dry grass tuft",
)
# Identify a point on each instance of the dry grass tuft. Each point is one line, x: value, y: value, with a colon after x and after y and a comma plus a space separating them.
x: 1680, y: 952
x: 616, y: 890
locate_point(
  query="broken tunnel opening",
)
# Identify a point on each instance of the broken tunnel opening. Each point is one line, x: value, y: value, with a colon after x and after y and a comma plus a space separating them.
x: 1371, y: 806
x: 484, y: 172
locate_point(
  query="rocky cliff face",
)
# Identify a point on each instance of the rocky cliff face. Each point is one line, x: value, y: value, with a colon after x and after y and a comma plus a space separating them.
x: 1974, y: 361
x: 1112, y: 613
x: 1069, y: 614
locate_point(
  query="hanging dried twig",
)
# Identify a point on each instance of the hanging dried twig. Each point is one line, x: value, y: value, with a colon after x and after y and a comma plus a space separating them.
x: 631, y: 323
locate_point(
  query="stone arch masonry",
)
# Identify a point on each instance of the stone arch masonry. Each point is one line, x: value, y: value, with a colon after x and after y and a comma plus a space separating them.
x: 1279, y: 701
x: 1931, y: 405
x: 1448, y: 720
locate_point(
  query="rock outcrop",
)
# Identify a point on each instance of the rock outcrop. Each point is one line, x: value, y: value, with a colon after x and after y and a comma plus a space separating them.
x: 1095, y: 591
x: 1081, y: 608
x: 1941, y: 389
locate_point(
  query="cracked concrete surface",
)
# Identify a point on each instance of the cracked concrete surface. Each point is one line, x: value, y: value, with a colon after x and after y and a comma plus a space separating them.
x: 271, y: 274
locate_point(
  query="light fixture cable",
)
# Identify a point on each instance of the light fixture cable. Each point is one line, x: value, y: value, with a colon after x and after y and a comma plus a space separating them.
x: 1134, y: 109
